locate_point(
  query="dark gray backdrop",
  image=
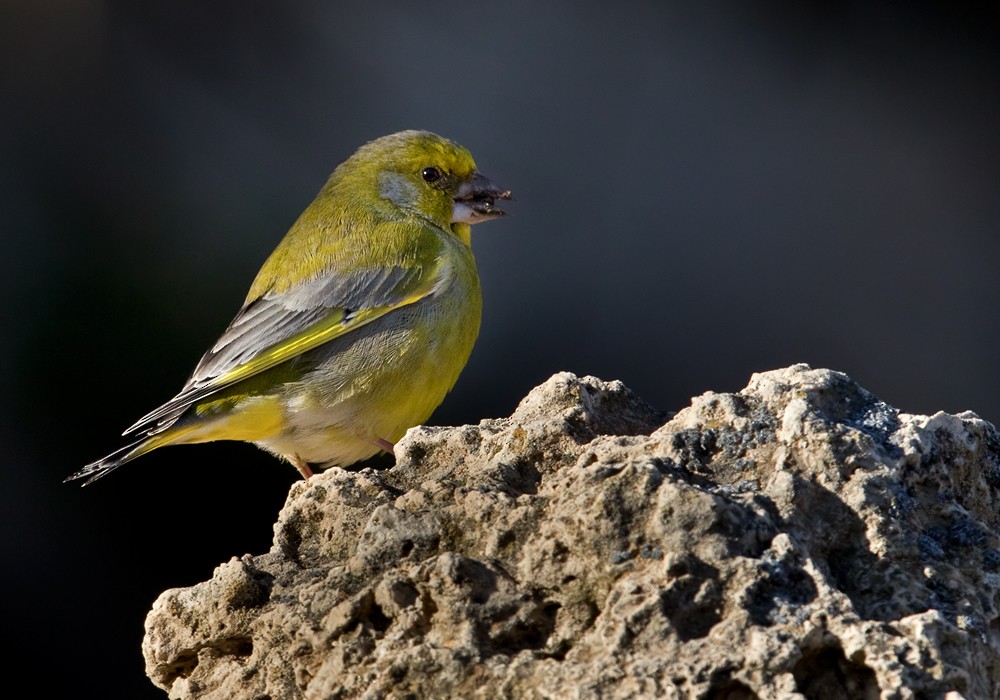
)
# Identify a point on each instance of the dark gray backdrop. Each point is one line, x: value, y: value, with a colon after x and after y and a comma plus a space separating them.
x: 704, y: 190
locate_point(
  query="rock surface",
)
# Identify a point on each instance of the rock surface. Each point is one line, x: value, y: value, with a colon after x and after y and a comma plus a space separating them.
x: 798, y: 539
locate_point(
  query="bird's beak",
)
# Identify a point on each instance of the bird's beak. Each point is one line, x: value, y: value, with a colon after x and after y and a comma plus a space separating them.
x: 475, y: 201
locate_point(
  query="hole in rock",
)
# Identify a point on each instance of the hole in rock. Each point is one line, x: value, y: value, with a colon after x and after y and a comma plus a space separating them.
x: 235, y: 646
x: 530, y: 632
x: 733, y: 690
x: 826, y: 674
x: 693, y: 602
x: 377, y: 618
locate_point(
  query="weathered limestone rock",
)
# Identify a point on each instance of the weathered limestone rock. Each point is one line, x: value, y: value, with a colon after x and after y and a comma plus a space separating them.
x: 798, y: 539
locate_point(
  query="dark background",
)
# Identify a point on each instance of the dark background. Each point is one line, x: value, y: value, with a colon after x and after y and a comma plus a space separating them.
x: 704, y: 190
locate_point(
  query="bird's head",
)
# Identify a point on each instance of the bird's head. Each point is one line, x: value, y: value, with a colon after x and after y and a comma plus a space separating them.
x: 430, y: 176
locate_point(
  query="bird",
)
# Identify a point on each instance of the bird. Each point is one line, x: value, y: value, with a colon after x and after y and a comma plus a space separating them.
x: 357, y: 325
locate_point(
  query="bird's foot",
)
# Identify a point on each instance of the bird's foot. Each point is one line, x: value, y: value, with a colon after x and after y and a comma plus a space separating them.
x: 385, y: 445
x: 301, y: 465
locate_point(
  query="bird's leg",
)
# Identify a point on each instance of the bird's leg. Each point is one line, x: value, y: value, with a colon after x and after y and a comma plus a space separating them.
x: 384, y: 445
x: 301, y: 465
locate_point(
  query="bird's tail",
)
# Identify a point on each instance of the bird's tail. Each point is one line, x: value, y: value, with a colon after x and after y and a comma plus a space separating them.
x: 102, y: 467
x: 95, y: 470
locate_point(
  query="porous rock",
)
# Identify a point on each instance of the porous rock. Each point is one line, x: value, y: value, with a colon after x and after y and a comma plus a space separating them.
x: 797, y: 539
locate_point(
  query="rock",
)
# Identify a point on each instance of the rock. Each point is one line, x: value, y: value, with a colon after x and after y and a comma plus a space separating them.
x: 798, y: 539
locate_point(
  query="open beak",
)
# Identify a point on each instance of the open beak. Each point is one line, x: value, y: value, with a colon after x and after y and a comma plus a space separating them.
x: 475, y: 201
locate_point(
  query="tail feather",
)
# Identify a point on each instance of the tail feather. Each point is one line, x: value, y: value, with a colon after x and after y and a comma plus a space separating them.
x: 159, y: 435
x: 102, y: 467
x: 250, y: 423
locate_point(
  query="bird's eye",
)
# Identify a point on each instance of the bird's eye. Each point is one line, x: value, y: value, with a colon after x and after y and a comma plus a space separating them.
x: 430, y: 174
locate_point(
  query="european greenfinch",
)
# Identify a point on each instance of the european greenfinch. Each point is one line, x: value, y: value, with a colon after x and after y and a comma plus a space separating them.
x: 357, y: 325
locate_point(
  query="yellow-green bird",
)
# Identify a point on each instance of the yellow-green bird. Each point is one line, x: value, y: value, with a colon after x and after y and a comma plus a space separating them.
x: 357, y: 325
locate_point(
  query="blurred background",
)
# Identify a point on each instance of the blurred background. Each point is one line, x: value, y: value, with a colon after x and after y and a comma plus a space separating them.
x: 704, y: 190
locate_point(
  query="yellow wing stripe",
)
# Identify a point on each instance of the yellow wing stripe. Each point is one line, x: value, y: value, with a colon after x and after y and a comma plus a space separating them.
x: 337, y: 323
x: 308, y: 339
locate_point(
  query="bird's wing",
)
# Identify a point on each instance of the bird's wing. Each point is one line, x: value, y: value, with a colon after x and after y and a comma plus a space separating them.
x: 275, y: 328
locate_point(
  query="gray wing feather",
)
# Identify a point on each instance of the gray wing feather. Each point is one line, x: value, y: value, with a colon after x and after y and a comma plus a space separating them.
x: 271, y: 319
